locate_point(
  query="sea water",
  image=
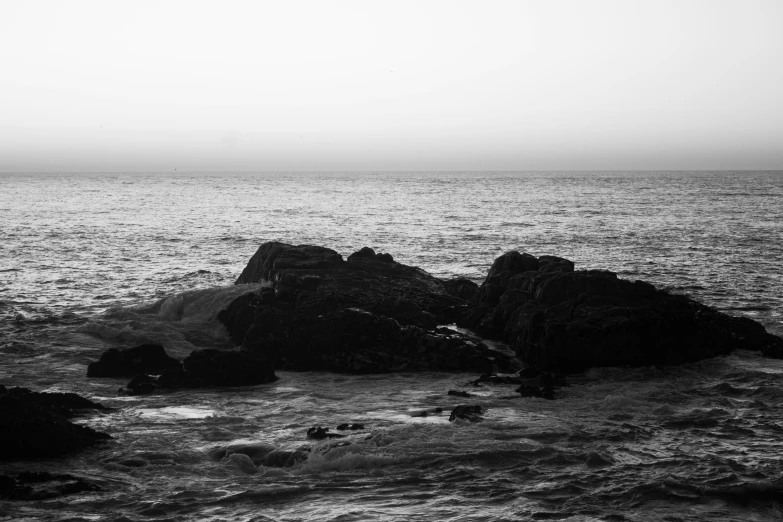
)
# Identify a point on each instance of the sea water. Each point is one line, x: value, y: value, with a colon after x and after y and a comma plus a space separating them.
x: 91, y: 261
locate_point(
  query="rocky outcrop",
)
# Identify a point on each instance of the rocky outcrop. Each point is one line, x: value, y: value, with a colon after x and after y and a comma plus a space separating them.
x: 204, y: 368
x: 145, y: 358
x: 557, y: 318
x: 317, y: 280
x: 36, y: 425
x: 368, y: 314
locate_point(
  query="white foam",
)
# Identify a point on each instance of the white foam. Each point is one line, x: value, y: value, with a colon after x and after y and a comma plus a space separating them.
x: 345, y: 459
x: 180, y: 323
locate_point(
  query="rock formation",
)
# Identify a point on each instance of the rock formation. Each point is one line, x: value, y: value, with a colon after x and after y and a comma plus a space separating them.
x: 366, y: 314
x: 36, y: 425
x: 370, y: 314
x: 560, y: 319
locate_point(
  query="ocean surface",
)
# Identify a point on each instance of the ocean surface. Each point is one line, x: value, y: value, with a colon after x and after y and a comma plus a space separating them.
x: 91, y: 261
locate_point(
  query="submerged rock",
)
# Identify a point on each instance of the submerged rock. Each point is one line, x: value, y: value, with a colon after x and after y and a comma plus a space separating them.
x: 319, y: 433
x: 247, y: 454
x: 36, y: 425
x: 209, y: 367
x: 145, y: 358
x: 558, y: 318
x: 368, y: 314
x: 470, y: 413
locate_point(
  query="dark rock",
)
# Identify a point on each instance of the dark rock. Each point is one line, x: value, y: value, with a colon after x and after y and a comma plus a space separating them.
x: 544, y: 392
x: 364, y: 315
x: 346, y: 426
x: 145, y: 358
x: 458, y: 393
x: 273, y: 257
x: 227, y: 368
x: 364, y: 252
x: 209, y: 367
x: 461, y: 287
x: 36, y: 425
x: 319, y: 433
x: 142, y: 384
x: 40, y: 485
x: 470, y: 413
x: 557, y: 318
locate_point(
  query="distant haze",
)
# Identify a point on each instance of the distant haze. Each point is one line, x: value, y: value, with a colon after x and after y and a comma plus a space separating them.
x: 390, y: 85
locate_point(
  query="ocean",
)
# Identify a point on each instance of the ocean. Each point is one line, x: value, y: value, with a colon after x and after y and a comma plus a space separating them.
x: 92, y: 261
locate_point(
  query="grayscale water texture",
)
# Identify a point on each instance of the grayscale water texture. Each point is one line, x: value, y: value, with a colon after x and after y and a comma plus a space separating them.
x: 89, y: 261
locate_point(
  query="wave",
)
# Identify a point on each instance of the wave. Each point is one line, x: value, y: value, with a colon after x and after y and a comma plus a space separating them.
x: 180, y: 322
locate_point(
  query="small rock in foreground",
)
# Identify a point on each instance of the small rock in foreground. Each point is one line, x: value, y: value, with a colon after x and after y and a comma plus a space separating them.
x: 36, y: 425
x: 470, y: 413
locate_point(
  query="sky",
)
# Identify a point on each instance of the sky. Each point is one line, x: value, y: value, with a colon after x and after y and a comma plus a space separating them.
x: 337, y: 85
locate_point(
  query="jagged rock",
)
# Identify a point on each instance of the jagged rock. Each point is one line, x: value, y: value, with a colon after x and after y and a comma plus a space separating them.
x: 470, y: 413
x: 273, y: 258
x: 558, y: 318
x: 36, y: 425
x: 208, y: 367
x: 41, y: 485
x: 316, y: 280
x: 363, y: 252
x: 145, y: 358
x: 368, y: 314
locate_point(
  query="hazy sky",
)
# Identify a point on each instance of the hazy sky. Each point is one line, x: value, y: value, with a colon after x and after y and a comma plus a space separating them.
x: 390, y: 85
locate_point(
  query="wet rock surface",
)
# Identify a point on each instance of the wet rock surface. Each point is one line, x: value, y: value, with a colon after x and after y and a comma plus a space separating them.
x: 366, y: 314
x: 205, y: 368
x: 469, y: 413
x: 370, y: 314
x: 560, y: 319
x: 37, y: 425
x: 145, y: 358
